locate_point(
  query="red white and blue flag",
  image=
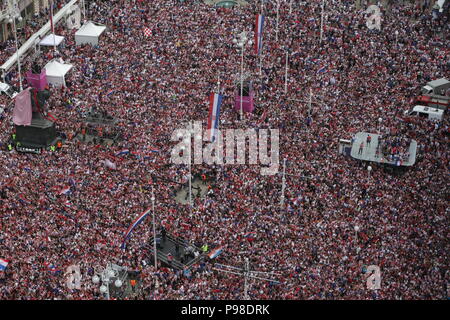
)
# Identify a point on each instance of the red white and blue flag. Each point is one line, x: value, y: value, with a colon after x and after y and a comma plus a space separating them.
x: 124, y: 151
x: 215, y: 252
x: 215, y: 100
x: 50, y: 267
x: 250, y: 236
x: 258, y: 33
x: 3, y: 264
x: 134, y: 225
x: 65, y: 190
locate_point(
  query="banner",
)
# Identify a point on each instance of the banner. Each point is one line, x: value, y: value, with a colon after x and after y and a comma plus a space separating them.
x: 22, y: 110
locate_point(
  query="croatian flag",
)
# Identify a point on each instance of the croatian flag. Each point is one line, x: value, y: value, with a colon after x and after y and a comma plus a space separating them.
x: 215, y: 252
x: 124, y: 151
x: 321, y: 70
x: 65, y: 190
x: 215, y: 100
x: 250, y: 236
x: 258, y: 33
x: 51, y: 267
x: 3, y: 264
x: 133, y: 225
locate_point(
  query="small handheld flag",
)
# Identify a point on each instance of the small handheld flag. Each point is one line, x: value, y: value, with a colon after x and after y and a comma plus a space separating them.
x: 3, y: 264
x: 124, y: 151
x: 65, y: 191
x: 215, y: 252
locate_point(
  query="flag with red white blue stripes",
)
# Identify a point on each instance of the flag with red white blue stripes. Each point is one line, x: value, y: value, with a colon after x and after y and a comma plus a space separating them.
x: 258, y: 33
x: 135, y: 223
x: 215, y: 100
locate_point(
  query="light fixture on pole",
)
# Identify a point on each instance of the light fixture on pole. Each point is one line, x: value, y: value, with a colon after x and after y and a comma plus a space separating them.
x: 12, y: 16
x: 321, y: 20
x: 283, y: 183
x: 278, y: 17
x: 380, y: 120
x: 155, y: 252
x: 369, y: 168
x: 241, y: 42
x: 246, y: 273
x: 109, y: 276
x: 286, y: 72
x: 356, y: 228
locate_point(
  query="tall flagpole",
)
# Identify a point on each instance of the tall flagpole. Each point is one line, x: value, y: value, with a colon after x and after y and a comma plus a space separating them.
x: 242, y: 78
x: 278, y: 16
x: 155, y: 252
x: 321, y: 21
x: 283, y: 184
x: 260, y: 51
x: 310, y: 102
x: 52, y: 25
x: 286, y: 72
x: 218, y: 122
x: 190, y: 169
x: 84, y: 9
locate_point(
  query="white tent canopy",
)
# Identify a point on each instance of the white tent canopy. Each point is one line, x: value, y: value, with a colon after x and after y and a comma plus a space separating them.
x: 89, y: 33
x: 51, y: 40
x: 56, y: 72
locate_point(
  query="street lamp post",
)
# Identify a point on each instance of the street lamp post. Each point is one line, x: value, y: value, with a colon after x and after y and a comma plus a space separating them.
x: 356, y: 228
x: 369, y: 168
x: 321, y: 20
x: 278, y: 17
x: 155, y: 253
x: 106, y: 276
x: 283, y: 185
x: 190, y: 132
x: 12, y: 19
x: 286, y: 72
x: 380, y: 120
x: 190, y: 167
x: 241, y: 42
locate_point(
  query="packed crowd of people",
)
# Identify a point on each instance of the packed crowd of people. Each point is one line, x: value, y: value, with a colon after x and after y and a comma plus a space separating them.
x: 335, y: 220
x: 25, y: 29
x: 394, y: 147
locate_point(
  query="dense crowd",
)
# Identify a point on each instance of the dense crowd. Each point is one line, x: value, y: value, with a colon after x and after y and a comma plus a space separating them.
x: 163, y: 81
x: 394, y: 147
x: 25, y: 30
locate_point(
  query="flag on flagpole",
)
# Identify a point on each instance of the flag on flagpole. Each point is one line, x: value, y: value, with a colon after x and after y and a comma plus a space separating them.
x: 147, y: 32
x: 263, y: 117
x: 215, y: 100
x: 135, y: 223
x: 213, y: 254
x: 258, y: 33
x: 52, y: 25
x: 3, y: 264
